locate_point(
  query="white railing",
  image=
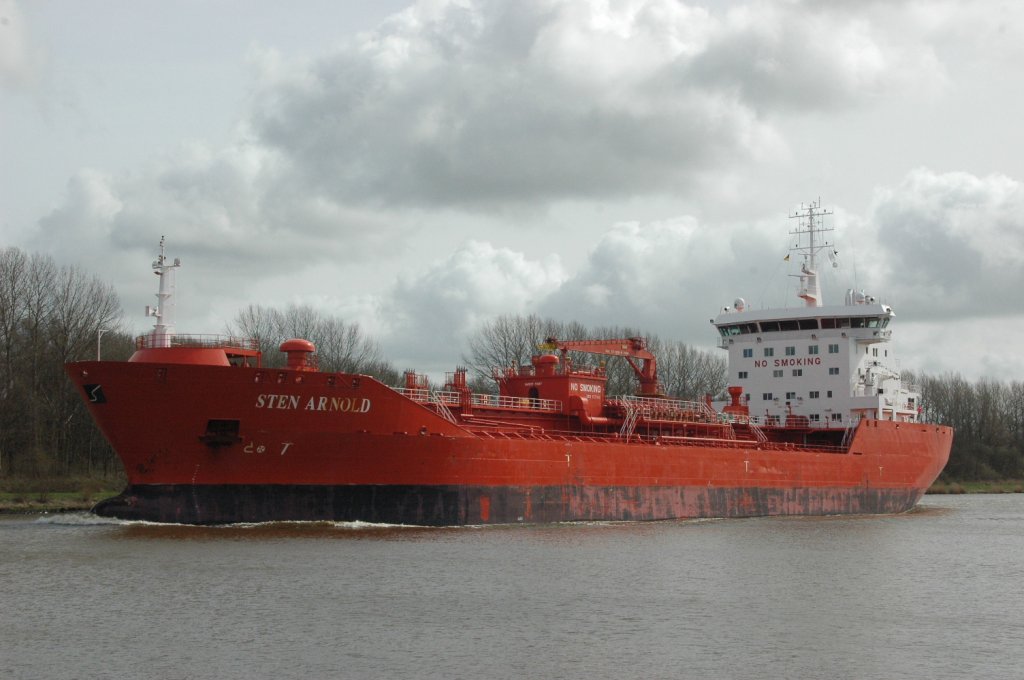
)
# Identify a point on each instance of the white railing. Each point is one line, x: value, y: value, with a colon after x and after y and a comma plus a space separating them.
x: 449, y: 398
x: 629, y: 422
x: 658, y: 407
x: 445, y: 397
x: 443, y: 410
x: 163, y: 340
x: 414, y: 393
x: 498, y: 401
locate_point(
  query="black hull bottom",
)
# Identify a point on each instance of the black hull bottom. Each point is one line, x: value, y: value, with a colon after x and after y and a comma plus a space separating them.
x: 460, y: 505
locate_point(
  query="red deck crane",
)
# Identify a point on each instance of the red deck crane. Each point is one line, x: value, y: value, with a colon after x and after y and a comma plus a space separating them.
x: 630, y: 349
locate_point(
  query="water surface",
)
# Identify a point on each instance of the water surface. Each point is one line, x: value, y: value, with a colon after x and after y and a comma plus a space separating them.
x: 934, y: 593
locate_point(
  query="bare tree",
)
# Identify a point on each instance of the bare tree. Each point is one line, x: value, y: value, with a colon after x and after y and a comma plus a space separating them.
x: 511, y: 340
x: 340, y: 346
x: 48, y: 315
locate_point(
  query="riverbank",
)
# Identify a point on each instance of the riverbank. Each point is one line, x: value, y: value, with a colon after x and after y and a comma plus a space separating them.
x: 997, y: 486
x: 58, y: 501
x: 56, y: 494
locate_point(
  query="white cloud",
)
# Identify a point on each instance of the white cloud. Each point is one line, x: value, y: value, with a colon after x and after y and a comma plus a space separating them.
x: 954, y: 243
x: 20, y: 61
x: 235, y: 207
x: 809, y: 57
x: 670, y: 277
x: 973, y: 347
x: 571, y: 127
x: 432, y: 312
x: 474, y: 103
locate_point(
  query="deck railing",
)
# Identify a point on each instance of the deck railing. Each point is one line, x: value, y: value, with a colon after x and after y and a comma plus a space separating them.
x: 665, y: 409
x: 497, y: 401
x: 203, y: 341
x: 450, y: 398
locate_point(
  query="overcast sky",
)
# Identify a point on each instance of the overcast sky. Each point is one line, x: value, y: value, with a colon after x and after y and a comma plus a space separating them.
x: 421, y: 168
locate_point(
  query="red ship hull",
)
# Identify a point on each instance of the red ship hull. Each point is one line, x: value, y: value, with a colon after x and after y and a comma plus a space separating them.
x: 216, y: 444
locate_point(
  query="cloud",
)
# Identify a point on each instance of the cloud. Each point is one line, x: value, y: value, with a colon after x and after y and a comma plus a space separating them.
x: 664, y: 277
x: 456, y: 118
x: 953, y: 243
x: 20, y: 62
x: 810, y: 57
x: 233, y: 207
x: 476, y: 103
x: 941, y: 248
x: 640, y: 270
x: 431, y: 313
x: 480, y: 107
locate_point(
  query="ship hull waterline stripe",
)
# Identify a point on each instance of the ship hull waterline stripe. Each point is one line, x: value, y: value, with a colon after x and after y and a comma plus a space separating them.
x: 456, y: 505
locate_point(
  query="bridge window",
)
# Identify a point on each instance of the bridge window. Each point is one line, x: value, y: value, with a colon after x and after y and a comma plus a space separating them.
x: 737, y: 329
x: 748, y: 353
x: 812, y: 349
x: 769, y: 351
x: 791, y: 351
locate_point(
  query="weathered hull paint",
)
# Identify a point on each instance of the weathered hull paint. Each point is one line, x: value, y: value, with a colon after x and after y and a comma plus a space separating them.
x: 453, y: 505
x: 219, y: 453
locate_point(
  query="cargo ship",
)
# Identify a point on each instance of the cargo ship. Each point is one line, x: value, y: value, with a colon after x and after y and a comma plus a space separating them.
x: 816, y: 423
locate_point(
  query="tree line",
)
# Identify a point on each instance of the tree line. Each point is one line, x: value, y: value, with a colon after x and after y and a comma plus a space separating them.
x: 50, y: 315
x: 684, y: 372
x: 988, y: 419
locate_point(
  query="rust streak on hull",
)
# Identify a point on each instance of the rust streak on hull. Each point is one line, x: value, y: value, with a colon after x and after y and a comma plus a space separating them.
x: 460, y: 505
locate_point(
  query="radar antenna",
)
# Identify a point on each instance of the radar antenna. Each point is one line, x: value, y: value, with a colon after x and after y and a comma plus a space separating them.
x: 810, y: 241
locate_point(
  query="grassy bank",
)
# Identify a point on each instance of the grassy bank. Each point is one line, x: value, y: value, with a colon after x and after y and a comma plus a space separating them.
x: 56, y: 494
x: 989, y: 486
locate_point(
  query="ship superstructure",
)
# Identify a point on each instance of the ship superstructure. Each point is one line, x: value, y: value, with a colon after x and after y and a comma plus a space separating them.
x: 828, y: 366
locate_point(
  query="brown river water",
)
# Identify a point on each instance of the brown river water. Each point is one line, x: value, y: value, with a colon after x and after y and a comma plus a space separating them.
x: 934, y: 593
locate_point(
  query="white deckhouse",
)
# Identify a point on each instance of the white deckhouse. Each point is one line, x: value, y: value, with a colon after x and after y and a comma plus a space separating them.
x: 823, y: 365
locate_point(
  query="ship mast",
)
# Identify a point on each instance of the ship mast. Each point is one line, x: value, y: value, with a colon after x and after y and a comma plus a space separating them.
x: 163, y: 330
x: 810, y: 223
